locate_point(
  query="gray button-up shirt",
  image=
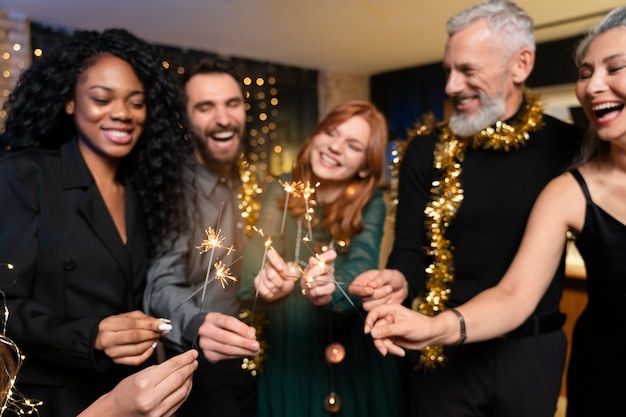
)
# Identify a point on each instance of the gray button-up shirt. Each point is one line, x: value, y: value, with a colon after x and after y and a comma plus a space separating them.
x: 177, y: 275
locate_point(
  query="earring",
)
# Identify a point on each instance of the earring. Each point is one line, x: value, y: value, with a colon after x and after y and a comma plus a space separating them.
x: 364, y: 173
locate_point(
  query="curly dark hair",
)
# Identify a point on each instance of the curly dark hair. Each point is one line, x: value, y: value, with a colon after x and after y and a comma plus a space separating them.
x: 36, y: 117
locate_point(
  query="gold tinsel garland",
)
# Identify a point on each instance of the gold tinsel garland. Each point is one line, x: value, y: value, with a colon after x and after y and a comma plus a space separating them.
x: 447, y: 196
x: 250, y: 206
x: 254, y: 364
x: 249, y: 203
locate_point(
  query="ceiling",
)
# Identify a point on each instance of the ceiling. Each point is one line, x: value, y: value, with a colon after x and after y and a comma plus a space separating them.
x: 352, y: 36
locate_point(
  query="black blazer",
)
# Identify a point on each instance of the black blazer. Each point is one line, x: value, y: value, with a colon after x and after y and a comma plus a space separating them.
x: 71, y: 269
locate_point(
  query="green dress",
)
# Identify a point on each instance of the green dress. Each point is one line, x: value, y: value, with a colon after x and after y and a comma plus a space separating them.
x: 296, y: 377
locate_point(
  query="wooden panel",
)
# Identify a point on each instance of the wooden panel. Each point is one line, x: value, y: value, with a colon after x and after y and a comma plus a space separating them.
x: 572, y: 303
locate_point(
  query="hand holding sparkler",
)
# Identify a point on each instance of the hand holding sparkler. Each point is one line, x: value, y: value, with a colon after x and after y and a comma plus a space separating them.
x: 291, y: 189
x: 376, y: 287
x: 130, y: 338
x: 226, y: 337
x: 276, y: 278
x: 317, y: 282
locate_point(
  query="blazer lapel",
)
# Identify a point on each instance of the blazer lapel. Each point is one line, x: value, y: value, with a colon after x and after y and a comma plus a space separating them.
x: 92, y: 207
x: 136, y: 246
x: 94, y: 211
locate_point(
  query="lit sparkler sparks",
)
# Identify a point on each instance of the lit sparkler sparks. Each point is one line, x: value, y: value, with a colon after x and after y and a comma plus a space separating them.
x: 214, y: 240
x: 222, y: 274
x: 291, y: 189
x: 307, y: 194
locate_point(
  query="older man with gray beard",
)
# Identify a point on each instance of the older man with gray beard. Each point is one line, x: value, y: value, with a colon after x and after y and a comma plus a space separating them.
x: 466, y: 189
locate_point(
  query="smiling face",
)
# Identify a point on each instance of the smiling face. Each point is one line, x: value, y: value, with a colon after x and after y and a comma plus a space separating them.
x: 109, y: 109
x: 339, y: 153
x: 479, y: 83
x: 215, y: 106
x: 601, y: 85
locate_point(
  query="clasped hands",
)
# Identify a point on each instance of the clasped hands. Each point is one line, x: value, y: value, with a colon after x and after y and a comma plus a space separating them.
x: 392, y: 326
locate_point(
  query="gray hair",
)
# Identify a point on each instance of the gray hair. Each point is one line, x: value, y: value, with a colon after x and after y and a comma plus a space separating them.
x: 513, y: 25
x: 614, y: 19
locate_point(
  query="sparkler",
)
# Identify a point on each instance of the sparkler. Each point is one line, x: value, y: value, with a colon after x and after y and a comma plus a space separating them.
x: 214, y: 240
x: 306, y: 192
x: 291, y: 188
x: 307, y: 195
x: 222, y: 274
x: 268, y: 245
x: 321, y: 263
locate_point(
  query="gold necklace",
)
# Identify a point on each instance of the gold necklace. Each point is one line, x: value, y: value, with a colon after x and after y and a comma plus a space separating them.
x: 447, y: 196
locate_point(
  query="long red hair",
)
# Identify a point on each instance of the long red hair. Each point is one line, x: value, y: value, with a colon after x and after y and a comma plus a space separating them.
x: 343, y: 216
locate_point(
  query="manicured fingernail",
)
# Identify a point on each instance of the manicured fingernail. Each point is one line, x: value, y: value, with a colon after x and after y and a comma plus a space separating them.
x: 164, y: 320
x: 154, y: 345
x: 165, y: 327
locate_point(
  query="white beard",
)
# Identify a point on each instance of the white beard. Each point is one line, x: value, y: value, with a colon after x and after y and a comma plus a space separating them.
x: 490, y: 110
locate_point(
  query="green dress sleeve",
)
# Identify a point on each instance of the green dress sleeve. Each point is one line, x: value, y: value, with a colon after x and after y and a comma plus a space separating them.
x: 363, y: 255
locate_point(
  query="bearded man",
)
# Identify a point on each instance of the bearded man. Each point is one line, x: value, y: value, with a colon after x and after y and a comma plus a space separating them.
x: 205, y: 316
x: 466, y: 189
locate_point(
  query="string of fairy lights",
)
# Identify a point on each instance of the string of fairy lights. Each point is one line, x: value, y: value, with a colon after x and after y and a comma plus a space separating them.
x: 261, y: 110
x: 263, y: 148
x: 14, y: 52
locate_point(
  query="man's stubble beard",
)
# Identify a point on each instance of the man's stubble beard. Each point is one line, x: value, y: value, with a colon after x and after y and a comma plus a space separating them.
x: 208, y: 158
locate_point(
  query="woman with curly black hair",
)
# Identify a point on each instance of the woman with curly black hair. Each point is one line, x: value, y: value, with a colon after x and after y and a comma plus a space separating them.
x: 94, y: 147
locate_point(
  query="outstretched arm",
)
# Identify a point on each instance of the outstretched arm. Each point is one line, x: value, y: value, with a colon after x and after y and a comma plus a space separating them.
x: 497, y: 310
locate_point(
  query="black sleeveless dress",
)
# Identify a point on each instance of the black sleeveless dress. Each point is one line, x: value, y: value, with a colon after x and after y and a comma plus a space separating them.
x: 596, y: 382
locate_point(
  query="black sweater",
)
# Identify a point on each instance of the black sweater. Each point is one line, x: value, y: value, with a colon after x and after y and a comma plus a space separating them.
x: 499, y: 191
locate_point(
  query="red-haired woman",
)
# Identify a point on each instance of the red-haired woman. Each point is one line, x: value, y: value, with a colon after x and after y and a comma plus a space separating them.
x: 318, y: 362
